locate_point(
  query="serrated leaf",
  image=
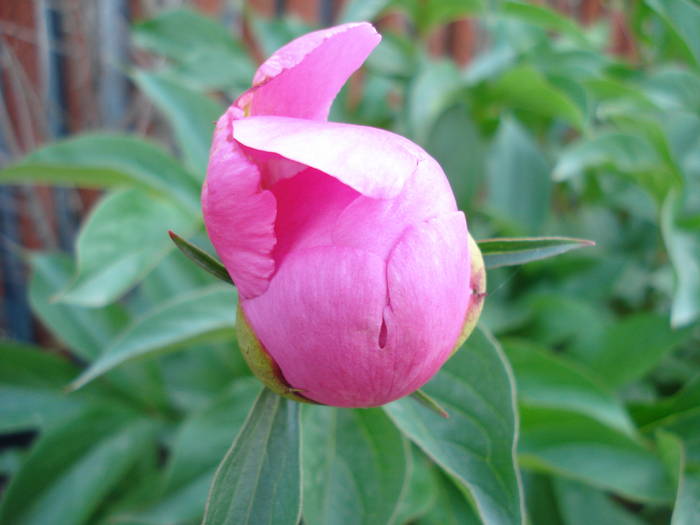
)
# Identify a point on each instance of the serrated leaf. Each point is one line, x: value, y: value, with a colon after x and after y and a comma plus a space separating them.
x: 355, y: 466
x: 520, y: 250
x: 205, y: 314
x: 475, y: 445
x: 259, y: 479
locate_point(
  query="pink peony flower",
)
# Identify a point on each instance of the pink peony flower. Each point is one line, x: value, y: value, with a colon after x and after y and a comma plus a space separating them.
x: 351, y: 259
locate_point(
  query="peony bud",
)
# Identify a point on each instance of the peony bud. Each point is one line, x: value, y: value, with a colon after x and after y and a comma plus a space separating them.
x: 357, y: 277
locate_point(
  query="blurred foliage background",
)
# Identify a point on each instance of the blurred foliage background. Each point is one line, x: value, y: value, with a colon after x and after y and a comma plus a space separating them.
x: 577, y: 118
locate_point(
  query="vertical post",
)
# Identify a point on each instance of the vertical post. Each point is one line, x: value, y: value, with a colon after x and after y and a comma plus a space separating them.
x: 325, y: 12
x: 15, y: 314
x: 113, y: 36
x: 52, y: 66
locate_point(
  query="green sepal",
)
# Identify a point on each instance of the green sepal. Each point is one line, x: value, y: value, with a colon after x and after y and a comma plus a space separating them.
x: 260, y: 362
x: 201, y: 258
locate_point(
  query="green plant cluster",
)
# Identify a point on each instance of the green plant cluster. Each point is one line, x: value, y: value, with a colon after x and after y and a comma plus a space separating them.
x: 576, y: 401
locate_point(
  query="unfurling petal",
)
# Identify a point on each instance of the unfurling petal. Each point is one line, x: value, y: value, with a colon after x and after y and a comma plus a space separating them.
x: 238, y: 214
x: 302, y: 78
x: 374, y: 162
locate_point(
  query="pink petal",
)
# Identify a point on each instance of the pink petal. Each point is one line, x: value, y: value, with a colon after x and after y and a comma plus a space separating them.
x: 336, y: 334
x: 320, y: 320
x: 308, y: 206
x: 374, y: 162
x: 238, y: 214
x: 426, y: 194
x: 428, y: 281
x: 303, y: 77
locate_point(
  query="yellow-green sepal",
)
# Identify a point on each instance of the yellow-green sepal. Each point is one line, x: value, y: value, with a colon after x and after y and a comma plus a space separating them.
x: 260, y: 362
x: 478, y: 286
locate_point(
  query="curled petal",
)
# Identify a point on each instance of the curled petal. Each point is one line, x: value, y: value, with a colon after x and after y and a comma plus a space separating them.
x: 302, y: 78
x: 238, y: 214
x: 372, y: 161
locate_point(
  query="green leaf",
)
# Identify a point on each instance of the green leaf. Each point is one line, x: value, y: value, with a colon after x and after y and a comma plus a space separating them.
x: 513, y: 251
x: 541, y: 504
x: 674, y: 88
x: 197, y: 447
x: 683, y: 247
x: 475, y: 445
x: 546, y: 18
x: 74, y: 466
x: 427, y: 14
x: 86, y: 331
x: 456, y: 143
x: 173, y: 276
x: 191, y: 114
x: 205, y: 435
x: 579, y: 447
x: 421, y: 493
x: 580, y: 504
x: 451, y: 507
x: 201, y: 258
x: 683, y: 19
x: 547, y: 380
x: 361, y: 10
x: 176, y: 32
x: 650, y: 415
x: 431, y: 92
x: 633, y: 347
x: 273, y: 33
x: 123, y: 239
x: 259, y: 479
x: 519, y: 187
x: 205, y: 314
x: 623, y: 152
x: 525, y: 88
x: 687, y: 505
x: 104, y: 160
x: 204, y: 53
x: 31, y: 387
x: 355, y: 466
